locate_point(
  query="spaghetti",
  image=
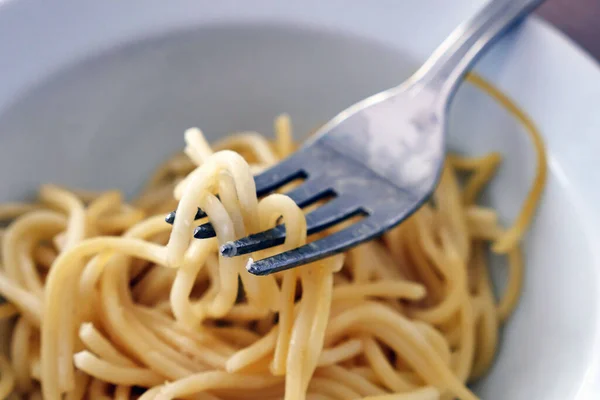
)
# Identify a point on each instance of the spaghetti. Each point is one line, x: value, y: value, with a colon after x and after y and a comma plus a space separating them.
x: 111, y: 302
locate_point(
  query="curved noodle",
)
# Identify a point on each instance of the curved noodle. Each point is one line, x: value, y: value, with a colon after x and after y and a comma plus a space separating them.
x: 110, y: 302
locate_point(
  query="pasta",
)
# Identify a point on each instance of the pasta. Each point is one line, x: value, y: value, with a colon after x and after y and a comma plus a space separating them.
x: 112, y: 302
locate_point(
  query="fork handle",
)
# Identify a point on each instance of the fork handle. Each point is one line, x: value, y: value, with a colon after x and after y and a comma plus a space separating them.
x: 446, y: 67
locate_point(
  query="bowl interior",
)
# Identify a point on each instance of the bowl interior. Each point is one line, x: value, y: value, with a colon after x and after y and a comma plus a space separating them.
x: 106, y: 121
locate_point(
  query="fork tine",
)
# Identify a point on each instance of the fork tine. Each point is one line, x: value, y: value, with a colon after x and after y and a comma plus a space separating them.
x: 255, y: 242
x: 305, y: 194
x: 333, y: 212
x: 276, y: 176
x: 204, y: 231
x: 330, y: 245
x: 280, y: 174
x: 310, y: 191
x: 170, y: 218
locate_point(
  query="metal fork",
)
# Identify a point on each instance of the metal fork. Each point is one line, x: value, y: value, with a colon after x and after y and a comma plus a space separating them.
x: 381, y: 158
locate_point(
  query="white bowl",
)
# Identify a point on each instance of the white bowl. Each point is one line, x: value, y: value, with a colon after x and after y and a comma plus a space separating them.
x: 94, y: 94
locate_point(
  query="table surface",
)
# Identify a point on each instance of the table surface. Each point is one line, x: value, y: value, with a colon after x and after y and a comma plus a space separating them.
x: 579, y: 19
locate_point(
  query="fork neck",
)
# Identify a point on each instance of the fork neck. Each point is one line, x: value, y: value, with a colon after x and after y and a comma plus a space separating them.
x: 445, y: 69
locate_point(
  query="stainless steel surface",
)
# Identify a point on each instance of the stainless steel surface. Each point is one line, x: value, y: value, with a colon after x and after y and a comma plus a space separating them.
x: 382, y: 157
x: 445, y: 68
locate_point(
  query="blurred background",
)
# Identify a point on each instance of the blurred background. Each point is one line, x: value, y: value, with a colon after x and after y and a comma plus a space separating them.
x: 579, y: 19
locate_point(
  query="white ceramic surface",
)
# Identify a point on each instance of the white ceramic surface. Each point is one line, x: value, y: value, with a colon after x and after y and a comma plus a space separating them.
x: 95, y: 93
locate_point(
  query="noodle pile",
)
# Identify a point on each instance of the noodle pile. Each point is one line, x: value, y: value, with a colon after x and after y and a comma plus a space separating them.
x: 112, y: 302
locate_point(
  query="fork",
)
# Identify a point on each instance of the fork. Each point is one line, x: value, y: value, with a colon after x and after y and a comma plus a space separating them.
x: 379, y: 159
